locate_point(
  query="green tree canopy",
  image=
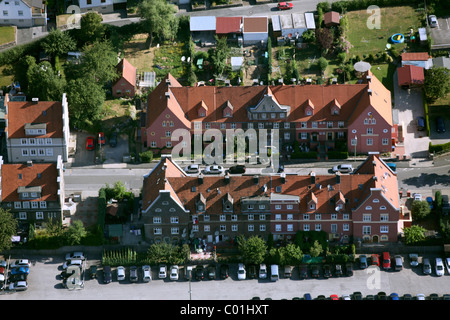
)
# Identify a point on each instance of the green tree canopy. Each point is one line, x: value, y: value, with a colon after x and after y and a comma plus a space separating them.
x: 100, y: 61
x: 253, y: 249
x: 437, y: 83
x: 44, y: 83
x: 8, y: 228
x: 420, y: 209
x: 75, y: 233
x: 58, y: 43
x: 414, y: 234
x: 92, y: 29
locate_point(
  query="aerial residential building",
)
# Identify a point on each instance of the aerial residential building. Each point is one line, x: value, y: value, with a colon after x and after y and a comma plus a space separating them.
x: 37, y: 131
x: 317, y: 116
x: 364, y: 205
x: 33, y: 192
x: 100, y: 6
x: 125, y: 85
x: 23, y: 13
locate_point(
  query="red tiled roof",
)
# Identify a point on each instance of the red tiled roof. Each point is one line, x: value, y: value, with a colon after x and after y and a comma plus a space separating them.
x: 409, y: 74
x: 226, y: 25
x: 29, y: 178
x: 415, y: 56
x: 331, y: 17
x: 20, y: 113
x: 127, y: 71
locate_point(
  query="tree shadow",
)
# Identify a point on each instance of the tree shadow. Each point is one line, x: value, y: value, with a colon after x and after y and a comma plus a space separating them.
x: 428, y: 180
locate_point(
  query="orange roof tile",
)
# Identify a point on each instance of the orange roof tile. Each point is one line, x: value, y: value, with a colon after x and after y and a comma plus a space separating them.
x: 415, y: 56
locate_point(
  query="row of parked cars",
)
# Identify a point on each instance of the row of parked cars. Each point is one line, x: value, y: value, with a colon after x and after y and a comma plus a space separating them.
x: 14, y: 277
x: 379, y: 296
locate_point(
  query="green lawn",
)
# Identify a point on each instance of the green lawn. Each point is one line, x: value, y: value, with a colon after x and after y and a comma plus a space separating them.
x: 7, y: 34
x: 393, y: 20
x: 384, y: 72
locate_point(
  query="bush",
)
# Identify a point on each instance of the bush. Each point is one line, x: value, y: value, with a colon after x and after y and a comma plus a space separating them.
x: 337, y: 154
x: 146, y: 156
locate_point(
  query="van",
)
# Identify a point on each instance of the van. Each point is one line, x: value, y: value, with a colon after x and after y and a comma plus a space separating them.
x: 287, y: 272
x: 398, y: 263
x: 420, y: 123
x: 274, y: 275
x: 386, y: 261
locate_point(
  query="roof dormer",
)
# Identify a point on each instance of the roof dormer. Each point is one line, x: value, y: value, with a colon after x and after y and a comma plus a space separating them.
x: 227, y: 109
x: 200, y: 203
x: 312, y: 201
x: 335, y: 107
x: 309, y: 108
x: 228, y: 203
x: 202, y: 110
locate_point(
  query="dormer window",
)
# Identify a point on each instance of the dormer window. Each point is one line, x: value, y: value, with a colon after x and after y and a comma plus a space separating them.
x: 202, y: 109
x: 35, y: 129
x: 335, y: 107
x: 309, y: 108
x: 228, y: 109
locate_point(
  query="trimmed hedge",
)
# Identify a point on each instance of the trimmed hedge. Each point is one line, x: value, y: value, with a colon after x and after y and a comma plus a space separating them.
x: 337, y: 154
x: 439, y: 147
x: 350, y: 5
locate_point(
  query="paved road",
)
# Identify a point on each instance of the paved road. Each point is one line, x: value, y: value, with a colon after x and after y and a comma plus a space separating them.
x: 45, y: 284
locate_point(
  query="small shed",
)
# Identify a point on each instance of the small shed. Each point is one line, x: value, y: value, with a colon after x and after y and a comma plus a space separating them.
x: 410, y: 76
x: 419, y: 59
x: 290, y: 26
x: 236, y: 63
x: 423, y: 35
x: 331, y: 18
x: 255, y: 30
x: 226, y: 26
x: 203, y: 28
x: 309, y: 19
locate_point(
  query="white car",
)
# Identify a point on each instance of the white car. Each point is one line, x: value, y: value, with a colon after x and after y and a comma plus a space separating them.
x: 146, y: 274
x: 75, y: 255
x: 447, y: 264
x: 433, y: 21
x: 343, y: 168
x: 414, y: 259
x: 162, y: 271
x: 21, y: 263
x: 417, y: 196
x: 262, y: 271
x: 214, y: 169
x: 75, y: 262
x: 241, y: 271
x: 174, y: 273
x: 420, y: 296
x: 120, y: 273
x: 439, y: 267
x: 192, y: 168
x: 18, y: 286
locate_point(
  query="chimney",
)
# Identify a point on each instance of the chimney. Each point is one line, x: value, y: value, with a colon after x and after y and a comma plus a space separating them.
x: 227, y: 178
x: 283, y: 177
x: 29, y: 163
x: 168, y: 82
x: 369, y: 91
x: 200, y: 179
x: 368, y: 78
x: 167, y: 94
x: 35, y: 100
x: 256, y: 179
x: 338, y: 178
x: 313, y: 177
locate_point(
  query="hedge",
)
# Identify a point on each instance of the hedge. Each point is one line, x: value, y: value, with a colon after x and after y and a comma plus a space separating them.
x: 337, y: 154
x: 439, y: 147
x: 350, y: 5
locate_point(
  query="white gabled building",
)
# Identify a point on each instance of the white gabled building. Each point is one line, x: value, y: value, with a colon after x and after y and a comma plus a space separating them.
x: 23, y: 13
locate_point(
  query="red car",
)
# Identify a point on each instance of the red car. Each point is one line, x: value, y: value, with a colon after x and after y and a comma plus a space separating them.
x: 90, y: 143
x: 101, y: 138
x: 285, y: 6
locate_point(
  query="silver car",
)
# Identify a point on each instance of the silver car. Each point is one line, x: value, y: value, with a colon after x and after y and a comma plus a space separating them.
x: 433, y: 21
x: 426, y: 266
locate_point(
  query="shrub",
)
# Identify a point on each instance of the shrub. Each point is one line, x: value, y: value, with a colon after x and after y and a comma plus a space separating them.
x: 146, y: 156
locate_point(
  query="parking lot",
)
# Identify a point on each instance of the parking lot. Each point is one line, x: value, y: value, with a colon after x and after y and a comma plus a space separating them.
x: 44, y: 283
x: 441, y: 34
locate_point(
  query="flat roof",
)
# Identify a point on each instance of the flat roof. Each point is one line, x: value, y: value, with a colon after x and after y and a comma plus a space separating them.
x: 206, y: 23
x: 309, y: 18
x: 228, y: 25
x: 256, y: 24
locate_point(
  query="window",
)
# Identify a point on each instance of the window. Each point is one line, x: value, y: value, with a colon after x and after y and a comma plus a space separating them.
x: 5, y: 13
x: 330, y: 124
x: 206, y: 217
x: 287, y: 136
x: 33, y: 152
x: 234, y: 227
x: 43, y: 204
x: 369, y: 130
x: 345, y: 227
x: 290, y: 216
x: 206, y: 228
x: 22, y: 215
x: 223, y: 228
x: 262, y: 217
x: 156, y: 219
x: 340, y: 124
x: 384, y: 229
x: 318, y: 216
x: 314, y: 124
x: 278, y: 227
x: 251, y: 227
x: 262, y: 227
x: 24, y: 152
x: 26, y: 205
x: 17, y: 205
x: 260, y: 125
x: 207, y: 125
x: 276, y: 125
x: 251, y: 217
x: 303, y: 135
x: 262, y: 207
x: 334, y: 216
x: 278, y: 217
x: 368, y: 208
x: 333, y: 228
x: 49, y: 152
x: 195, y: 228
x: 304, y: 125
x: 157, y: 231
x: 306, y: 217
x: 174, y: 230
x: 169, y: 144
x: 366, y: 230
x: 385, y: 141
x: 384, y: 217
x: 39, y: 215
x: 222, y: 217
x: 234, y: 217
x: 369, y: 142
x: 367, y: 217
x: 318, y: 227
x: 306, y: 227
x: 174, y: 220
x: 290, y: 206
x: 153, y: 144
x: 354, y: 141
x: 48, y: 141
x: 168, y: 133
x: 287, y: 125
x: 20, y: 13
x: 290, y: 227
x: 278, y: 206
x: 345, y: 216
x: 312, y: 206
x: 383, y: 208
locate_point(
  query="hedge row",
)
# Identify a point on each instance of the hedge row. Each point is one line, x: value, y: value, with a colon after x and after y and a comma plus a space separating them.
x: 439, y: 147
x: 350, y: 5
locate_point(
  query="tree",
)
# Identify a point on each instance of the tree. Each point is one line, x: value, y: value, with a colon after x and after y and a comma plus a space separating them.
x: 292, y: 255
x: 414, y: 234
x: 316, y: 249
x: 8, y: 228
x: 44, y: 83
x: 324, y: 38
x: 159, y: 19
x: 437, y: 83
x: 75, y: 233
x: 253, y: 249
x: 323, y: 64
x: 100, y: 61
x: 309, y: 36
x: 420, y: 209
x: 58, y: 43
x: 220, y: 54
x: 92, y: 29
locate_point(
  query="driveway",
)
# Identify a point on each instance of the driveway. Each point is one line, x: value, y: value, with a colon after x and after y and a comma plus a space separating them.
x: 409, y: 105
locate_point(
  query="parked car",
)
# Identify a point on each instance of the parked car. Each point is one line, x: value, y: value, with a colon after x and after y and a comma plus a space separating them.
x: 346, y: 297
x: 237, y: 169
x: 18, y: 286
x: 174, y: 272
x: 107, y: 276
x: 433, y: 21
x: 447, y: 264
x: 357, y: 295
x: 214, y: 169
x: 386, y: 260
x: 439, y: 267
x: 113, y: 140
x: 146, y: 273
x: 224, y: 271
x: 252, y: 274
x: 338, y: 270
x: 375, y: 259
x: 162, y: 271
x: 90, y: 143
x: 188, y: 272
x: 285, y: 6
x: 133, y: 274
x: 362, y: 261
x: 287, y: 271
x: 392, y: 166
x: 307, y: 296
x: 430, y: 202
x: 420, y: 296
x: 413, y: 259
x: 212, y: 272
x: 241, y: 272
x: 381, y: 295
x: 394, y: 296
x: 93, y: 272
x: 433, y: 296
x: 199, y: 272
x: 417, y: 196
x: 326, y: 271
x: 349, y: 269
x: 20, y: 270
x: 334, y: 297
x: 120, y: 273
x: 407, y: 296
x: 420, y: 123
x: 440, y: 125
x: 303, y: 271
x: 74, y: 262
x: 426, y: 266
x: 101, y: 138
x: 192, y: 168
x: 20, y: 263
x: 75, y: 255
x: 343, y: 168
x: 315, y: 271
x: 262, y: 271
x: 398, y: 261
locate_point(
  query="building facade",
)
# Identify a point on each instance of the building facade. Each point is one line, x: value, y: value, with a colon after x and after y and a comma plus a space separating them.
x: 33, y: 192
x: 37, y: 131
x: 23, y: 13
x: 363, y: 206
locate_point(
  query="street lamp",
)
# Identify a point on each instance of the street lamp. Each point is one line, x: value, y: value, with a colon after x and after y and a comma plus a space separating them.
x: 356, y: 142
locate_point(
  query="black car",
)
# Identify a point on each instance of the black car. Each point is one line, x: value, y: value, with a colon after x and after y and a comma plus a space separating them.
x: 357, y: 295
x: 107, y: 275
x: 224, y: 271
x: 93, y: 272
x: 440, y: 125
x: 133, y: 274
x: 199, y: 273
x: 237, y: 169
x: 348, y: 270
x: 303, y: 272
x: 382, y: 295
x: 326, y: 271
x: 113, y: 140
x: 212, y: 272
x: 338, y: 270
x: 252, y: 274
x: 315, y: 271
